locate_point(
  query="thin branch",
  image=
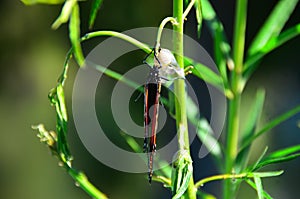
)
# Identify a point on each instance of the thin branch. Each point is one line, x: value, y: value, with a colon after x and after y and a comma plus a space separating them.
x: 188, y: 9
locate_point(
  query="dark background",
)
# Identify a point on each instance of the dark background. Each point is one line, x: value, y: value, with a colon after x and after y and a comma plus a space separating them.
x: 32, y: 57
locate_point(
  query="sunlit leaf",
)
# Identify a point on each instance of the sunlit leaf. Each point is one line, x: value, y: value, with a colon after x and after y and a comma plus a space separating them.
x: 74, y: 34
x: 252, y: 184
x: 51, y: 2
x: 259, y: 187
x: 258, y: 184
x: 222, y: 47
x: 198, y: 9
x: 282, y: 155
x: 181, y: 175
x: 203, y: 130
x: 64, y: 14
x: 206, y: 135
x: 61, y: 107
x: 251, y: 122
x: 205, y: 73
x: 94, y: 10
x: 57, y: 99
x: 186, y: 2
x: 252, y: 168
x: 273, y: 43
x: 62, y: 126
x: 166, y: 181
x: 273, y: 25
x: 275, y: 122
x: 132, y: 143
x: 265, y: 174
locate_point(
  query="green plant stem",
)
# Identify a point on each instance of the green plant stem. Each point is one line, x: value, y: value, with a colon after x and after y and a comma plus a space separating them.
x: 82, y: 181
x: 122, y: 36
x: 220, y: 177
x: 237, y: 85
x: 237, y: 176
x: 160, y: 29
x: 180, y: 92
x: 188, y: 9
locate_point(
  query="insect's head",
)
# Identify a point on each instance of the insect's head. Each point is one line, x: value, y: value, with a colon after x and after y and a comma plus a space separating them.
x: 167, y: 64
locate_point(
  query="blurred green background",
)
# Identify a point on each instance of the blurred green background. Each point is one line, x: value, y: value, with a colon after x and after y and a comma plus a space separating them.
x: 32, y: 57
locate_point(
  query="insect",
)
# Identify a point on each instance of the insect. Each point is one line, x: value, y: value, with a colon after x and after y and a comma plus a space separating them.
x: 165, y: 68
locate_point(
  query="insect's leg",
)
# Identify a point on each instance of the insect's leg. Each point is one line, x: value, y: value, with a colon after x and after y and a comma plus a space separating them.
x: 164, y: 78
x: 138, y: 97
x: 157, y: 57
x: 145, y: 59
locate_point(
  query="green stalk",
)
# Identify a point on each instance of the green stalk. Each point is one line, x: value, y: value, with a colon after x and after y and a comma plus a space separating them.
x: 82, y: 181
x: 246, y: 175
x: 160, y: 29
x: 237, y: 85
x: 122, y: 36
x: 180, y: 92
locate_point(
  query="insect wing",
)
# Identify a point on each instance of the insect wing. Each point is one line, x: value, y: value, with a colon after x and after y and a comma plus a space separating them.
x: 152, y: 94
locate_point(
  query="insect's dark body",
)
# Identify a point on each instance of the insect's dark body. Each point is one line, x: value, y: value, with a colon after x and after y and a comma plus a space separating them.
x: 164, y: 66
x: 151, y: 99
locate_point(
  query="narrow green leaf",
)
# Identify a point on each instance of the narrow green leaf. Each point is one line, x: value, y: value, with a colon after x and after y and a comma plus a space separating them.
x: 64, y: 73
x: 82, y: 180
x: 94, y: 10
x: 208, y: 11
x: 116, y: 76
x: 74, y: 34
x: 251, y: 124
x: 165, y: 170
x: 259, y: 187
x: 285, y: 152
x: 198, y: 9
x: 273, y: 25
x: 253, y: 117
x: 273, y: 43
x: 221, y: 46
x: 205, y: 73
x: 192, y: 111
x: 203, y: 130
x: 62, y: 126
x: 182, y: 175
x: 285, y: 36
x: 132, y: 143
x: 252, y: 168
x: 275, y: 122
x: 206, y: 135
x: 57, y: 99
x: 252, y: 184
x: 185, y: 183
x: 61, y: 109
x: 164, y: 180
x: 65, y: 13
x: 51, y: 2
x: 282, y: 155
x: 186, y: 2
x: 266, y: 174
